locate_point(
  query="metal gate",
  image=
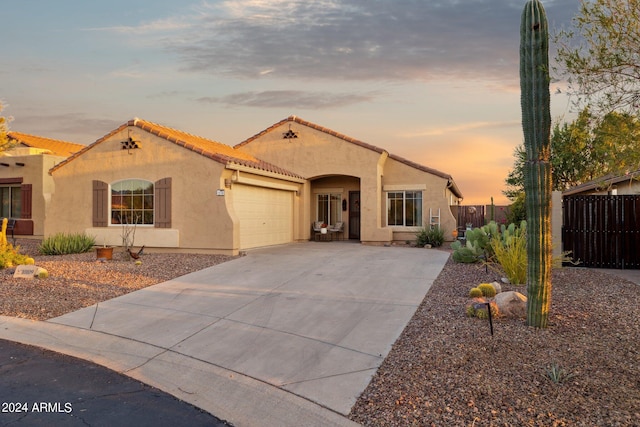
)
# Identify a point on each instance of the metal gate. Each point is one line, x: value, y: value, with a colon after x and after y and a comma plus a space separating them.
x: 602, y: 231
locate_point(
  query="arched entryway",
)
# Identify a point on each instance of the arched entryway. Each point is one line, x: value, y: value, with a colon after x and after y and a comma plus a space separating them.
x: 336, y: 199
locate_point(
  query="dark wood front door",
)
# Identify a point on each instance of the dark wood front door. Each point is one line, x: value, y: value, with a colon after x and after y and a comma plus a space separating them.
x: 354, y: 215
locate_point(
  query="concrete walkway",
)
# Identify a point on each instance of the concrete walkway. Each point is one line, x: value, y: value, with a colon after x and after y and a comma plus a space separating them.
x: 288, y: 335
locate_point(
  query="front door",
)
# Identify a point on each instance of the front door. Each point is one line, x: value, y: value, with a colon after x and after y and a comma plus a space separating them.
x: 354, y: 215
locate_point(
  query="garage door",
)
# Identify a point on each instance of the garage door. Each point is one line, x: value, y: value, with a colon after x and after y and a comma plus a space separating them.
x: 265, y: 214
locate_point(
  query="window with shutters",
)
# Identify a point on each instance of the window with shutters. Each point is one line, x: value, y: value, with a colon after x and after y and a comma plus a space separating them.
x: 132, y: 202
x: 11, y: 197
x: 135, y: 200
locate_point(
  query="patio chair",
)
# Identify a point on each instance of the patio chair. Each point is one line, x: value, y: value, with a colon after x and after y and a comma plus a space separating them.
x: 338, y: 227
x: 317, y: 229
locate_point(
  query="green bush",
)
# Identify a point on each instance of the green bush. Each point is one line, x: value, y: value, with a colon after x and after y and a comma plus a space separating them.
x: 63, y: 243
x: 430, y: 236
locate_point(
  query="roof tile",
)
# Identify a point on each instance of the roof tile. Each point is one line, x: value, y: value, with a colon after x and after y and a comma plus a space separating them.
x: 217, y: 151
x: 356, y: 142
x: 55, y: 146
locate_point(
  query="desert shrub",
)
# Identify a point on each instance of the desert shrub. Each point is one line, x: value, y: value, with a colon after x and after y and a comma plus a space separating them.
x: 511, y: 252
x: 475, y: 293
x: 487, y: 290
x: 64, y: 243
x: 430, y: 236
x: 10, y: 256
x: 558, y: 375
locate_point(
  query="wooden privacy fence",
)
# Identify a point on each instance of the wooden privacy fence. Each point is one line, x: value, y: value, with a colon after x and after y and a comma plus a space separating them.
x: 602, y: 231
x: 472, y: 215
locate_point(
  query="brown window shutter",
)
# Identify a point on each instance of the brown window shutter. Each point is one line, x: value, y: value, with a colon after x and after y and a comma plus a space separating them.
x: 27, y: 196
x: 100, y: 204
x: 162, y: 214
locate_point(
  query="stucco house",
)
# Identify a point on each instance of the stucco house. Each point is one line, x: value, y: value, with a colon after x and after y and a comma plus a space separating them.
x: 188, y: 192
x: 379, y: 196
x: 25, y: 184
x: 609, y: 185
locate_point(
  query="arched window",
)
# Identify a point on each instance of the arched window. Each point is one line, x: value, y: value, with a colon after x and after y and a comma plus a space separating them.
x: 132, y: 202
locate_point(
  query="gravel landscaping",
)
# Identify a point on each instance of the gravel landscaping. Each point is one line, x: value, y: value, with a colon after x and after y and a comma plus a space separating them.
x: 80, y: 280
x: 445, y: 369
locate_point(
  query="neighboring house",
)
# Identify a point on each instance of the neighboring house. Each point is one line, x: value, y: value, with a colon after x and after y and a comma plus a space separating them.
x: 25, y: 185
x: 379, y: 196
x: 612, y: 185
x: 181, y: 191
x: 188, y: 192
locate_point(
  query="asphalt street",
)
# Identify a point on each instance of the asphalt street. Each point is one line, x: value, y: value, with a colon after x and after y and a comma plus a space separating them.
x: 42, y: 388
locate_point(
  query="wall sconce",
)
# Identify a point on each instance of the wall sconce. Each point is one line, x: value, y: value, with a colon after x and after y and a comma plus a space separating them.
x: 227, y: 183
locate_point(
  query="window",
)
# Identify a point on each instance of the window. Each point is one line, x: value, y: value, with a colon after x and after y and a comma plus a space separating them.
x: 132, y: 202
x: 328, y: 208
x: 404, y: 208
x: 11, y: 197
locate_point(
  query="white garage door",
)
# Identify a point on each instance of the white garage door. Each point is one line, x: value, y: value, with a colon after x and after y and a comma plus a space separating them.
x: 266, y: 216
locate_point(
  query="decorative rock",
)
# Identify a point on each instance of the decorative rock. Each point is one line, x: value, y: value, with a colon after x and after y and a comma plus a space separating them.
x: 512, y: 304
x: 497, y: 286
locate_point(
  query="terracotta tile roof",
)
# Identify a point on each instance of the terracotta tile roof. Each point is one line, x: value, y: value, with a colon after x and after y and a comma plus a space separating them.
x: 217, y: 151
x: 56, y: 147
x: 312, y: 126
x: 351, y: 140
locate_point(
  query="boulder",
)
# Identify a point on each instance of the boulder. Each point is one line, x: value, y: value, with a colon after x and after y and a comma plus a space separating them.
x: 497, y: 286
x: 512, y: 304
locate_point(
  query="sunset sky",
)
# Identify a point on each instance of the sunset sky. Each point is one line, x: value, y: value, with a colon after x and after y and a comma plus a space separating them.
x: 434, y: 81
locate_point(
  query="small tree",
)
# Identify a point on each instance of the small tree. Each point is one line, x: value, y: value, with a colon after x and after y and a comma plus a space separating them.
x: 601, y: 55
x: 5, y: 142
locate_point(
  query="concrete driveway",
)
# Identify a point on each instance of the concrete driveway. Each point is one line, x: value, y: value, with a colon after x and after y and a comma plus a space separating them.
x: 288, y: 335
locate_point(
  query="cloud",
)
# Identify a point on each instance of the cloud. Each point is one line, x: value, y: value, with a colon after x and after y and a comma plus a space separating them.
x: 132, y: 72
x: 357, y: 39
x: 153, y: 27
x: 462, y: 128
x: 295, y: 99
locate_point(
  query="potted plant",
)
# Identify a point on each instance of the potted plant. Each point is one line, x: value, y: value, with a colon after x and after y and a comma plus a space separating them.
x: 105, y: 252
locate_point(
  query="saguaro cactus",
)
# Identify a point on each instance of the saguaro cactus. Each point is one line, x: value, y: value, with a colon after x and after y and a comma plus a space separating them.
x: 536, y: 125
